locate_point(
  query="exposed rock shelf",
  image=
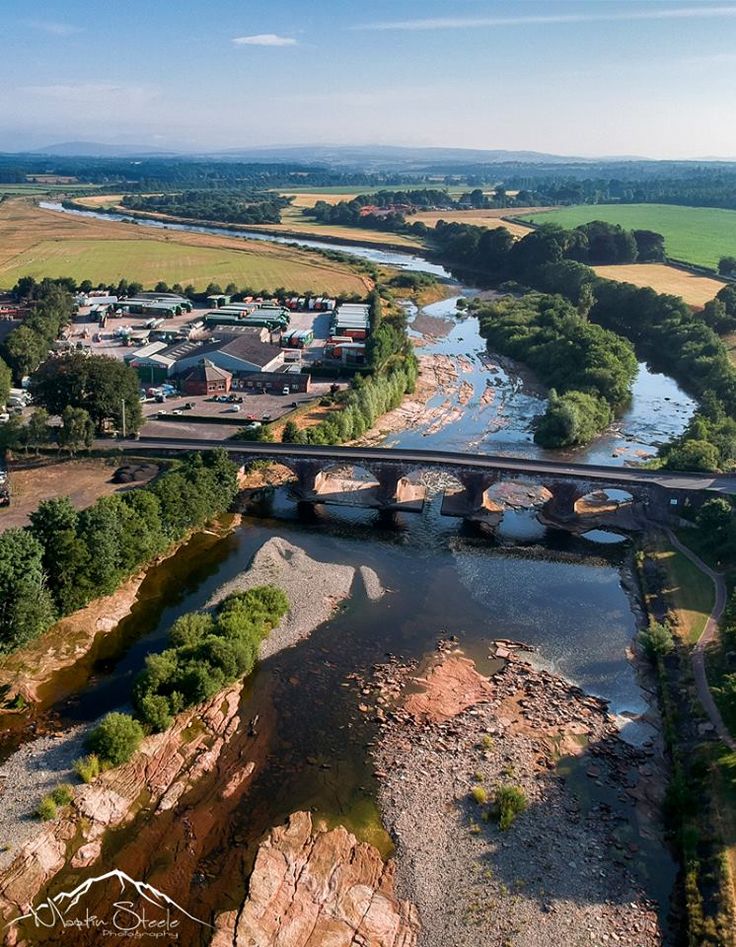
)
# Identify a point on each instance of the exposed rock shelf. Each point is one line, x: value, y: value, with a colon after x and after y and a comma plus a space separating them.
x: 563, y: 873
x: 312, y: 888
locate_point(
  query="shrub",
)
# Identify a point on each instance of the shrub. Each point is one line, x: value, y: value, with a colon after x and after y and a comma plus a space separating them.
x: 208, y: 653
x: 87, y: 767
x: 657, y: 639
x: 510, y: 801
x: 479, y: 795
x: 63, y: 794
x: 46, y: 809
x: 116, y: 738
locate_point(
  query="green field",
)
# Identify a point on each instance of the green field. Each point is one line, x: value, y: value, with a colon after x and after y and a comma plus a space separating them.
x: 696, y: 234
x: 34, y: 190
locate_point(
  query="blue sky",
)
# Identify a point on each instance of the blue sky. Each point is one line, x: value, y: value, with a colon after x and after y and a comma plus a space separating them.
x: 589, y: 77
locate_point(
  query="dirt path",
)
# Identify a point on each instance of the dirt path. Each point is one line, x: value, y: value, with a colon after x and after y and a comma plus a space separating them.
x: 709, y: 634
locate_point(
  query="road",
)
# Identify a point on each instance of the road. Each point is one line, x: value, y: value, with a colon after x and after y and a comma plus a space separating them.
x: 708, y: 635
x: 671, y: 480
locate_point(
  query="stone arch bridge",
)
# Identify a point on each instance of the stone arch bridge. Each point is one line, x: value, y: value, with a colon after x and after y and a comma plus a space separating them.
x: 655, y: 495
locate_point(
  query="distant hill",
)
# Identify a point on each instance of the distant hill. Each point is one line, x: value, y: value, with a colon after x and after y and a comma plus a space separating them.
x: 91, y: 149
x: 363, y: 155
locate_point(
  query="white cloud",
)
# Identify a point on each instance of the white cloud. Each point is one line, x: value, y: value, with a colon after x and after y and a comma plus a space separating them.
x: 54, y: 28
x: 460, y: 22
x: 264, y: 39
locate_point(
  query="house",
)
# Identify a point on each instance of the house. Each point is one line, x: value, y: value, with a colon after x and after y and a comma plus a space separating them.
x: 206, y: 379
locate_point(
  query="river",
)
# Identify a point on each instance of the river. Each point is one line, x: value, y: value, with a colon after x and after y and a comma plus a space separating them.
x: 560, y: 593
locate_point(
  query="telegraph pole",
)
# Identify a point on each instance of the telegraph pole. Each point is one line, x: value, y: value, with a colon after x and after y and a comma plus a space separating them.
x: 122, y: 402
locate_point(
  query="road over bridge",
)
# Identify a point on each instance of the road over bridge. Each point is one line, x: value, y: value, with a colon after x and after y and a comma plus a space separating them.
x: 658, y: 493
x: 366, y: 456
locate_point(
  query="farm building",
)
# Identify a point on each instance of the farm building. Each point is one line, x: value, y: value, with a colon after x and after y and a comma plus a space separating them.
x: 249, y: 350
x: 206, y: 379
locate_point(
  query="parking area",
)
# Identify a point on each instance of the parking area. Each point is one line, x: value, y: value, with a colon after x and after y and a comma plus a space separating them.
x: 207, y: 418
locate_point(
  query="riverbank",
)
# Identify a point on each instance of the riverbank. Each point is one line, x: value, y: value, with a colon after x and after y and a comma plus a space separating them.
x: 156, y: 776
x: 28, y: 675
x: 169, y: 763
x: 319, y: 232
x: 564, y: 871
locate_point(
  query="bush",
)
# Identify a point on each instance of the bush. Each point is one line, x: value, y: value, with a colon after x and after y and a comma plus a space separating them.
x: 479, y: 795
x: 657, y: 639
x: 87, y: 767
x: 208, y: 653
x: 116, y: 739
x: 63, y: 794
x: 46, y: 809
x: 510, y: 801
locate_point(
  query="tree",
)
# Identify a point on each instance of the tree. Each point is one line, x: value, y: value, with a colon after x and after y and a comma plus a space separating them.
x: 26, y: 608
x: 6, y: 381
x: 290, y: 432
x: 116, y: 738
x: 693, y: 454
x: 727, y: 266
x: 649, y: 246
x: 657, y: 639
x: 104, y: 387
x: 65, y: 555
x: 38, y: 433
x: 572, y: 419
x: 77, y: 429
x: 25, y: 350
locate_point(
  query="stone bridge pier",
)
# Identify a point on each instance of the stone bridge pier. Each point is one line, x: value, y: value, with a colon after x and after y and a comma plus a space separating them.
x: 309, y: 476
x: 472, y: 502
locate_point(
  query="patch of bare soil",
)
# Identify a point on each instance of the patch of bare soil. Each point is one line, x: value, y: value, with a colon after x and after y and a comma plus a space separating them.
x: 83, y: 481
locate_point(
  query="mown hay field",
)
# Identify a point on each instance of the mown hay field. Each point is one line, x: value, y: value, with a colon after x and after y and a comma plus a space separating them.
x: 695, y: 290
x: 698, y: 235
x: 477, y: 218
x: 37, y: 242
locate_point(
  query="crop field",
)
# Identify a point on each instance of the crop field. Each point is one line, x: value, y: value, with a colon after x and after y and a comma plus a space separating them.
x: 31, y: 190
x: 698, y: 235
x: 292, y: 221
x: 695, y: 290
x: 36, y: 242
x: 477, y: 218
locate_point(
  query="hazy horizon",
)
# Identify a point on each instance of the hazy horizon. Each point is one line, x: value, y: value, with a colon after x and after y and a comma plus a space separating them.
x: 646, y: 78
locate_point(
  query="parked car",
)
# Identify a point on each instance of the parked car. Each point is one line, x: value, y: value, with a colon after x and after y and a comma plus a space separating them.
x: 286, y: 390
x: 176, y: 411
x: 188, y: 406
x: 4, y: 417
x: 253, y: 426
x: 234, y: 408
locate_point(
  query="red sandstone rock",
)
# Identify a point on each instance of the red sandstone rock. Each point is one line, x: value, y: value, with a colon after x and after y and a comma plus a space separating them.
x: 313, y: 888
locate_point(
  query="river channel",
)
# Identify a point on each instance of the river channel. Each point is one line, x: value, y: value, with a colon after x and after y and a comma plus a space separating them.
x: 559, y: 593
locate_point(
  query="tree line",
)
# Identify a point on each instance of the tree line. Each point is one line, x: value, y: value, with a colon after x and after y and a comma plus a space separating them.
x: 65, y: 558
x: 230, y: 206
x: 357, y: 410
x: 663, y: 329
x: 590, y: 369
